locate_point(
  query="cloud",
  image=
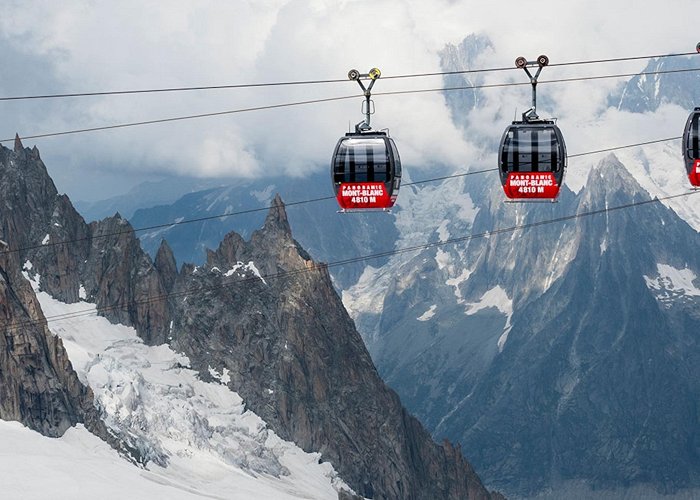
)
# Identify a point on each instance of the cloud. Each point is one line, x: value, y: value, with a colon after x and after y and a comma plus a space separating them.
x: 94, y: 45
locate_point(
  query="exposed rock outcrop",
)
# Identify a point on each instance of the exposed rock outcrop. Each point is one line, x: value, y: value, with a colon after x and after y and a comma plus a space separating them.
x: 38, y: 386
x: 46, y: 238
x: 270, y: 316
x: 121, y: 279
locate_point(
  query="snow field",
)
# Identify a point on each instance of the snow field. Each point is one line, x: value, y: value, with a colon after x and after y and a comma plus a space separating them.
x: 201, y: 440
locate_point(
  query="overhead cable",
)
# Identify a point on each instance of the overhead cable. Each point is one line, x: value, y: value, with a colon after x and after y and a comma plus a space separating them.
x: 316, y: 82
x: 343, y: 262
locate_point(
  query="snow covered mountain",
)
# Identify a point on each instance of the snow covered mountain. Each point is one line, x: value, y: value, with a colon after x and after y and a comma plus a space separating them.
x: 645, y: 93
x: 197, y: 437
x: 265, y: 357
x: 80, y: 465
x: 563, y: 356
x: 550, y: 352
x: 61, y: 365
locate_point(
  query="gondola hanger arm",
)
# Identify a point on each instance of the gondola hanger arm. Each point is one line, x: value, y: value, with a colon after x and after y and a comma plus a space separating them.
x: 373, y: 75
x: 540, y: 62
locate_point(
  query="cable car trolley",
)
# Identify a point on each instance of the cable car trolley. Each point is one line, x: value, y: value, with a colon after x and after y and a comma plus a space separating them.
x: 691, y: 144
x: 366, y: 168
x: 532, y: 154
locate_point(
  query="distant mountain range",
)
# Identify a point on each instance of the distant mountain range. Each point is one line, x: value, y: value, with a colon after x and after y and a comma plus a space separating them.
x: 646, y: 92
x: 145, y: 195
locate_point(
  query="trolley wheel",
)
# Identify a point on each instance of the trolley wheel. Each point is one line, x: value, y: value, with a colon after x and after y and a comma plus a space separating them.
x: 353, y: 74
x: 543, y: 60
x: 520, y: 62
x: 374, y: 73
x: 697, y: 47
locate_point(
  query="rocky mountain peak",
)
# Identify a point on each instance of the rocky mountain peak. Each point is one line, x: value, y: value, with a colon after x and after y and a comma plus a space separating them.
x: 166, y: 265
x: 24, y: 173
x: 278, y: 329
x: 34, y: 219
x: 21, y: 151
x: 230, y: 251
x: 610, y: 182
x: 276, y: 220
x: 18, y: 144
x: 464, y: 55
x: 287, y: 344
x: 273, y: 244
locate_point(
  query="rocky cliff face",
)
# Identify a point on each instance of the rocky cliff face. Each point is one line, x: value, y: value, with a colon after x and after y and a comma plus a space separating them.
x: 38, y: 386
x: 120, y: 278
x: 582, y: 388
x: 35, y: 218
x: 268, y: 316
x: 260, y: 314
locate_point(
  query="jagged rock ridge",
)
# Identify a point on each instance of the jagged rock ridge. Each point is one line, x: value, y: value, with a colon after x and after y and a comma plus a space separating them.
x: 290, y: 348
x: 38, y: 386
x: 292, y: 351
x: 315, y: 225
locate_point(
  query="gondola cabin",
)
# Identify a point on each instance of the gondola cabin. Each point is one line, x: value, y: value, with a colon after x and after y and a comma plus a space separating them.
x: 532, y: 160
x: 366, y: 171
x: 691, y: 147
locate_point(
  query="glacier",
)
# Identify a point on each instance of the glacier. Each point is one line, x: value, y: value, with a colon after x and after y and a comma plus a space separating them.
x: 199, y: 437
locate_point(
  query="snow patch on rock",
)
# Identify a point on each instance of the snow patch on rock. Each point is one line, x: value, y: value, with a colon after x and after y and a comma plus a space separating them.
x: 241, y: 268
x: 428, y: 314
x: 673, y: 284
x: 495, y: 297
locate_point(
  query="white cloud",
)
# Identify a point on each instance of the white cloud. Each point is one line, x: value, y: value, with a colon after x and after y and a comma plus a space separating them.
x: 98, y: 45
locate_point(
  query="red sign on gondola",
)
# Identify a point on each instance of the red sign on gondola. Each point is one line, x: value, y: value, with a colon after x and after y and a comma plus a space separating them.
x: 694, y: 175
x: 531, y: 185
x: 363, y: 195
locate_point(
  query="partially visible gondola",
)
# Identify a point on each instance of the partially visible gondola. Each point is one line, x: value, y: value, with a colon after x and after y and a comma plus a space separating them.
x: 691, y: 144
x: 532, y: 153
x: 366, y: 167
x: 691, y: 147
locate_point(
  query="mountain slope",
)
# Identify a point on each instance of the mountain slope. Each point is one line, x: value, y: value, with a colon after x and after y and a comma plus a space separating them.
x: 281, y: 341
x: 595, y: 356
x: 291, y: 350
x: 38, y: 385
x: 144, y: 195
x: 558, y: 354
x: 197, y: 438
x: 645, y: 93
